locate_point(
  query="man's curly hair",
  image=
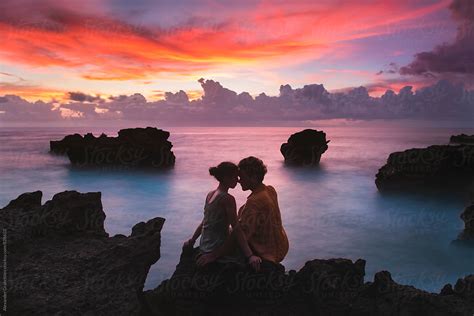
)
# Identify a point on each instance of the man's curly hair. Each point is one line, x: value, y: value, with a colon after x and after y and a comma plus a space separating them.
x: 254, y: 167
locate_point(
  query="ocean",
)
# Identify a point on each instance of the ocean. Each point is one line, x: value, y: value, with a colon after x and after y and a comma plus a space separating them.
x: 330, y: 211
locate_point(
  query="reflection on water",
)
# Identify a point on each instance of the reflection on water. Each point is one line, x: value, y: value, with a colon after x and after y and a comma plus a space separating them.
x: 333, y: 210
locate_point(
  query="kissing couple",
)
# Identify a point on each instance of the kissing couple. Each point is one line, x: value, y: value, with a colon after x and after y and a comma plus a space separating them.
x: 252, y: 234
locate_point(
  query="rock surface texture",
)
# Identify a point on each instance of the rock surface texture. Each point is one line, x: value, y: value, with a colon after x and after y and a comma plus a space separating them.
x: 305, y: 148
x: 133, y: 147
x: 62, y: 262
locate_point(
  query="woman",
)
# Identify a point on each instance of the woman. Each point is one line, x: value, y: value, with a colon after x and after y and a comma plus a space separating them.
x: 220, y: 211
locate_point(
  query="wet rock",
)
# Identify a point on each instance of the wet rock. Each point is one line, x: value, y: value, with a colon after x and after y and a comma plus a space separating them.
x: 133, y: 147
x: 62, y: 262
x: 442, y: 167
x: 305, y: 148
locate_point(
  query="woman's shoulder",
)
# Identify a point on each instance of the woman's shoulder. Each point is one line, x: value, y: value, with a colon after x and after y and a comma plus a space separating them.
x: 209, y: 195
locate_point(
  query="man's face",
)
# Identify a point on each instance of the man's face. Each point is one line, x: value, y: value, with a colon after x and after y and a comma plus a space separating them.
x: 244, y: 180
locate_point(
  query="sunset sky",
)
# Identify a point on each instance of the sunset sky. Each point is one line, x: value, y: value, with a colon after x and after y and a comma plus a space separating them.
x: 111, y: 47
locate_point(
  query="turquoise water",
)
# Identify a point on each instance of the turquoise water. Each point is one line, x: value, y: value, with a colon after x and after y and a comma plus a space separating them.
x: 330, y: 211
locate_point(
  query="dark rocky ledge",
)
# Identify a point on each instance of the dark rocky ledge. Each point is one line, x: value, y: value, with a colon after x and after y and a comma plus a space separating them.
x: 134, y: 147
x: 304, y: 148
x: 445, y: 167
x: 62, y: 262
x: 321, y: 287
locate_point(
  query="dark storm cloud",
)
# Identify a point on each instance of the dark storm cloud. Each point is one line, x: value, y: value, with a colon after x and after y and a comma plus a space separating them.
x: 449, y: 59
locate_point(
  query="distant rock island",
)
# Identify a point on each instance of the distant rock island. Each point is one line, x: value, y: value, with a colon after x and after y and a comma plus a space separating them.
x: 62, y: 262
x: 462, y: 139
x: 134, y: 147
x: 305, y: 148
x: 446, y: 167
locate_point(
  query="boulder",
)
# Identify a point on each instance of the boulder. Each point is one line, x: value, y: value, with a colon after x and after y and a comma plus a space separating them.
x: 462, y: 139
x: 305, y: 148
x: 133, y: 147
x: 443, y: 167
x: 62, y: 262
x: 468, y: 217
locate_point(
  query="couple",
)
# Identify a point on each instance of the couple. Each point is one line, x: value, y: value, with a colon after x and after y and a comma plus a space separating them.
x: 257, y: 232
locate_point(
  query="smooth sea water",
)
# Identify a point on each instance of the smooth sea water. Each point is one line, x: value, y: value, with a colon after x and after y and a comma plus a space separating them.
x: 331, y: 211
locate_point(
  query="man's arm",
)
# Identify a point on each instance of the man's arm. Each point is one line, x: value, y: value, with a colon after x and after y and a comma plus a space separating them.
x: 231, y: 212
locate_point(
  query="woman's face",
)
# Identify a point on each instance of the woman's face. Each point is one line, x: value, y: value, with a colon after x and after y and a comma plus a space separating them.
x: 231, y: 181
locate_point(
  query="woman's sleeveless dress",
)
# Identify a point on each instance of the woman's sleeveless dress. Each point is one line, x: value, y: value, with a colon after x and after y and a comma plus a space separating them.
x: 215, y: 230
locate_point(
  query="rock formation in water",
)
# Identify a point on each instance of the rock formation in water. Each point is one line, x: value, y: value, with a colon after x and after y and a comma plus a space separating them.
x: 305, y: 148
x: 449, y: 167
x: 134, y: 147
x: 62, y: 262
x: 321, y: 287
x: 462, y: 139
x: 468, y: 217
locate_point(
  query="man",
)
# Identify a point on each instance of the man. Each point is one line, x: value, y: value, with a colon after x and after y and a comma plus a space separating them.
x: 259, y: 219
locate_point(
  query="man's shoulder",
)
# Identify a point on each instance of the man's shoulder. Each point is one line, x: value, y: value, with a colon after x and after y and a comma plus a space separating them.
x: 271, y: 188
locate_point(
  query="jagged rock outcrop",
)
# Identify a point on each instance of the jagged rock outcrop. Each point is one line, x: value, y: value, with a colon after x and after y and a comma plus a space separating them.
x: 321, y: 287
x: 439, y: 166
x: 62, y: 262
x: 133, y: 147
x: 468, y: 217
x: 462, y: 139
x: 305, y: 148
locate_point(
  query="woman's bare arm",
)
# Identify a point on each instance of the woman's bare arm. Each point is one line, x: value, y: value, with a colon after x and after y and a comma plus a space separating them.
x: 237, y: 235
x: 191, y: 241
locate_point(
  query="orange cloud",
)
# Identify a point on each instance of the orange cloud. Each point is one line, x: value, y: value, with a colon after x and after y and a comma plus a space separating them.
x: 100, y: 48
x: 32, y: 92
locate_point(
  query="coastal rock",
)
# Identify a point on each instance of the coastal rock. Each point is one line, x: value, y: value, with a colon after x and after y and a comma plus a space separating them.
x: 462, y: 139
x: 62, y: 262
x: 468, y: 217
x: 435, y: 167
x: 321, y: 287
x: 133, y: 147
x: 305, y: 148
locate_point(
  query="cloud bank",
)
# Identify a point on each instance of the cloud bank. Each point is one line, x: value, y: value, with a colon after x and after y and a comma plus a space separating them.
x: 454, y: 61
x: 443, y: 100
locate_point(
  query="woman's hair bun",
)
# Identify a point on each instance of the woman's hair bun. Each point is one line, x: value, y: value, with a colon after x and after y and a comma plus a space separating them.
x: 224, y: 169
x: 213, y: 171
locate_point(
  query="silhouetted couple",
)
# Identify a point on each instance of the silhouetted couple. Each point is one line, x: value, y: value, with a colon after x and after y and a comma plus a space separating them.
x: 254, y: 233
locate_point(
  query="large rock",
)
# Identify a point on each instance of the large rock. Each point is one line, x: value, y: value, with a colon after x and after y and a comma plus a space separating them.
x: 468, y: 217
x: 305, y: 148
x: 134, y: 147
x: 462, y: 139
x: 321, y: 287
x: 62, y: 262
x: 443, y: 167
